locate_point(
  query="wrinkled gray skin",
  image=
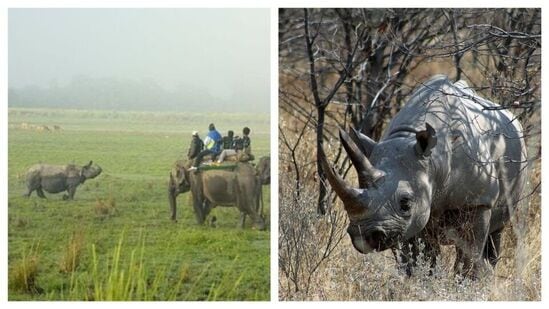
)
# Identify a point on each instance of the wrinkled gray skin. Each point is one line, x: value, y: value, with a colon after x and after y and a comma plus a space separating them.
x: 264, y: 170
x: 446, y: 171
x: 59, y: 178
x: 240, y: 187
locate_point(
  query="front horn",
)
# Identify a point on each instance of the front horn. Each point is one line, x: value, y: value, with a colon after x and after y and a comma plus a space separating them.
x: 367, y: 173
x: 346, y: 193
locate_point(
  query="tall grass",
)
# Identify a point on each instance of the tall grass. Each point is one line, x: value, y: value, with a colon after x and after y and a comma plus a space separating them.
x: 73, y: 253
x: 24, y: 272
x: 124, y: 277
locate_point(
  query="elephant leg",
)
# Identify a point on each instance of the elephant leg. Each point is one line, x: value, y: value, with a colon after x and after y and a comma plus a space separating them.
x: 198, y: 205
x: 492, y: 248
x: 258, y: 220
x: 40, y: 193
x: 242, y: 219
x: 207, y: 208
x: 172, y: 195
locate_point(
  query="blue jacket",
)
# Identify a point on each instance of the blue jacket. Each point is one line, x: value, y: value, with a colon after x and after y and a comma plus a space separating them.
x: 216, y: 137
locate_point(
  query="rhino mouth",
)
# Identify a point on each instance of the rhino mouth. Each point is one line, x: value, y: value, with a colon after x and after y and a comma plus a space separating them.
x: 371, y: 240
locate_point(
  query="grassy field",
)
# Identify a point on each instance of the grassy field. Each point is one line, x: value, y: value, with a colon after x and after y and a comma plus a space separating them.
x: 115, y: 240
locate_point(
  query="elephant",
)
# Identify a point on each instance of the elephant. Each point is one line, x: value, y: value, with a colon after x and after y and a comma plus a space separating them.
x: 59, y: 178
x: 237, y: 185
x: 264, y: 170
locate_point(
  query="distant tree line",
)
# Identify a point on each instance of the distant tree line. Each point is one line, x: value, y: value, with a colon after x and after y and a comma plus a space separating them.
x: 84, y: 92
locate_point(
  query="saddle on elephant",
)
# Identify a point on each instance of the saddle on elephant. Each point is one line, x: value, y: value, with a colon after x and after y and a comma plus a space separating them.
x: 181, y: 166
x: 239, y: 157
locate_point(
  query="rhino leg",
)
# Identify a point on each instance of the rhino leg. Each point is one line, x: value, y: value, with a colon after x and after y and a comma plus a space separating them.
x: 28, y: 192
x: 470, y: 238
x: 71, y: 191
x: 40, y: 193
x: 463, y: 264
x: 492, y: 248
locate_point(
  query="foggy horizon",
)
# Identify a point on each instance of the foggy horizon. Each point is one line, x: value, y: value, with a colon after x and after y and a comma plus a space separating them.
x: 159, y: 58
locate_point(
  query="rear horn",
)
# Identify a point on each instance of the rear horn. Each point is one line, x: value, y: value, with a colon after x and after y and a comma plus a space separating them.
x: 368, y: 175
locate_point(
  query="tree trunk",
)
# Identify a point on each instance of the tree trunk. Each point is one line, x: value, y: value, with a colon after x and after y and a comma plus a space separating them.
x: 321, y: 208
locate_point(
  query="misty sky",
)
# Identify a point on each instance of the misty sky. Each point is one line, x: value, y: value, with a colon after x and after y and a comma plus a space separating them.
x: 225, y: 51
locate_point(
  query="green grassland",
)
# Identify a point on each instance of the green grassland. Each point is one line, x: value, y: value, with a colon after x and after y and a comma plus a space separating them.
x: 115, y: 240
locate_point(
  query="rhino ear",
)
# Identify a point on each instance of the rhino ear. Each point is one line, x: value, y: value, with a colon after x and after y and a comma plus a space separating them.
x: 89, y: 164
x: 365, y: 143
x: 426, y: 140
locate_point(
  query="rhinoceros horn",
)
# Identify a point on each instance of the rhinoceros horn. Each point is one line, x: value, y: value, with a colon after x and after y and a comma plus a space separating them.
x: 348, y: 194
x: 365, y: 143
x: 367, y: 173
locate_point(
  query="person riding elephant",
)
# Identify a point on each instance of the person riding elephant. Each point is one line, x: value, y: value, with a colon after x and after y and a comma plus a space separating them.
x: 196, y: 146
x: 227, y: 141
x: 212, y: 142
x: 242, y: 148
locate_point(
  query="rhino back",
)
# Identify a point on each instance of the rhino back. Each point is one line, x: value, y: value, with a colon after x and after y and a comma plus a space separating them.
x: 54, y: 178
x: 477, y: 143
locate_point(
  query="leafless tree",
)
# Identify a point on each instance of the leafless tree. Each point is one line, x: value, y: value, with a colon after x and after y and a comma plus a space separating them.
x: 357, y: 66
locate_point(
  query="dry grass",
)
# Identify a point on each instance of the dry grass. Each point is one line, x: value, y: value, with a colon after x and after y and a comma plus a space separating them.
x: 305, y: 273
x: 23, y: 273
x: 105, y: 207
x: 348, y: 275
x: 73, y: 252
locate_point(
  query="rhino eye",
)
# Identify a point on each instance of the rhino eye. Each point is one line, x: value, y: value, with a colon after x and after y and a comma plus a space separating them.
x: 405, y: 203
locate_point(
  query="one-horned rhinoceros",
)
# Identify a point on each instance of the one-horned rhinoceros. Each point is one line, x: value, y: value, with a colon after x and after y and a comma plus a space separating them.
x: 59, y: 178
x: 449, y: 169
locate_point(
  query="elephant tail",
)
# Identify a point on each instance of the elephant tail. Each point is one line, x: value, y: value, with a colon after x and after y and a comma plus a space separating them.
x: 260, y: 198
